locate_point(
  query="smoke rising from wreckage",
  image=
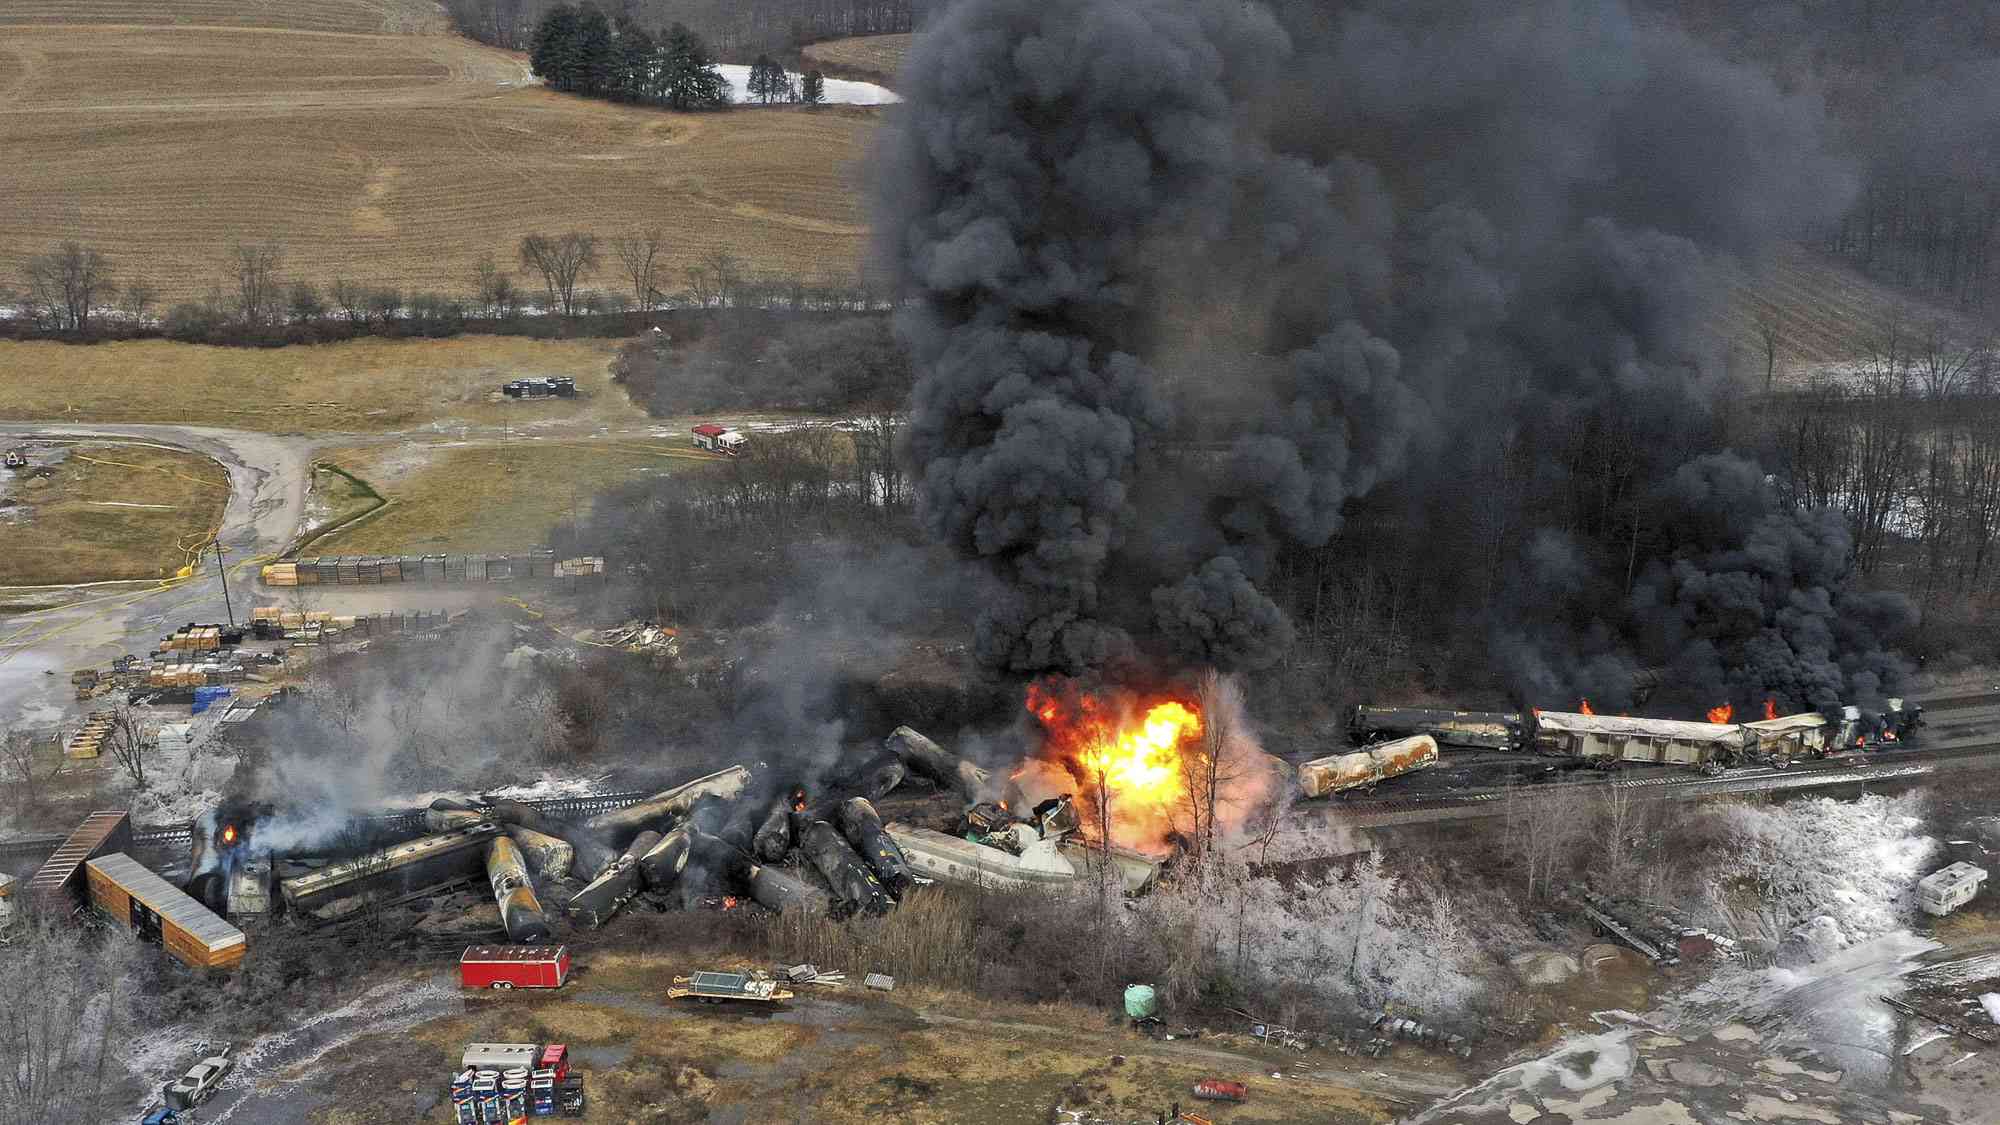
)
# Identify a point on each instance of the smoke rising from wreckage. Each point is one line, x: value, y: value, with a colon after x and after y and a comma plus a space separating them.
x: 1111, y: 211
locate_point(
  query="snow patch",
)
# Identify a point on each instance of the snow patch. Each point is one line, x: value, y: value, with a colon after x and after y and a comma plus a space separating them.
x: 837, y: 91
x: 1991, y: 1002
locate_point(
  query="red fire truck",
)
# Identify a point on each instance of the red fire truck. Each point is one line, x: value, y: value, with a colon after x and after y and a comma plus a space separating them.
x: 514, y: 966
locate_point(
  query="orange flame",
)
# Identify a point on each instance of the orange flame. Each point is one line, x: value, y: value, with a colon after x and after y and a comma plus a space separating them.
x: 1131, y: 747
x: 1584, y: 708
x: 1721, y: 714
x: 729, y: 902
x: 1770, y: 708
x: 229, y: 833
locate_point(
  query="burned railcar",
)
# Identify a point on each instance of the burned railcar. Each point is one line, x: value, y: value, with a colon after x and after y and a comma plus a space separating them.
x: 410, y: 868
x: 1459, y: 730
x: 1610, y: 740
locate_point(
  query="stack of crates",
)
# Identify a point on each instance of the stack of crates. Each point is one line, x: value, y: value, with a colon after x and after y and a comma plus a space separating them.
x: 281, y: 574
x: 308, y: 571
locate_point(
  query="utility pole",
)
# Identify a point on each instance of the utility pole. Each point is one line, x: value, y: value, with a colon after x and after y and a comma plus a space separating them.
x: 224, y: 576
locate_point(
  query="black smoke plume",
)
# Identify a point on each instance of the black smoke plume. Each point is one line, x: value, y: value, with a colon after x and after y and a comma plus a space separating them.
x: 1452, y: 257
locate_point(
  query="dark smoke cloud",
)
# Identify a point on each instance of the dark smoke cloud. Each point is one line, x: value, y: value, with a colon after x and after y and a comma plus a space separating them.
x: 1453, y: 238
x: 1754, y: 602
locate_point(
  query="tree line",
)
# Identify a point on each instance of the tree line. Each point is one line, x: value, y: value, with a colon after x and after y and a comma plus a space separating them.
x: 580, y: 50
x: 736, y: 28
x: 77, y: 292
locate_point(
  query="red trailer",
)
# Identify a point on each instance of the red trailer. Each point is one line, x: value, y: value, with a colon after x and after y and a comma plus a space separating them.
x: 514, y: 966
x: 1220, y: 1090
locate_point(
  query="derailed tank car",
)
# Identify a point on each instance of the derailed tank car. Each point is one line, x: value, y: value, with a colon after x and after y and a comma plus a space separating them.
x: 1364, y: 768
x: 1612, y: 739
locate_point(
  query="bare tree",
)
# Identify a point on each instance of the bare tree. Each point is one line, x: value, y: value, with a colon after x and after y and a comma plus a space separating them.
x: 497, y: 298
x: 140, y: 297
x: 62, y: 1007
x: 20, y: 769
x: 725, y: 276
x: 1770, y: 337
x: 304, y: 303
x: 259, y: 290
x: 1218, y: 760
x: 127, y: 741
x: 351, y: 300
x: 67, y: 284
x: 562, y: 261
x: 640, y: 256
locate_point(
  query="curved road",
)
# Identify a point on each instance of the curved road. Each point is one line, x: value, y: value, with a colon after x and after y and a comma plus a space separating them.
x: 268, y: 475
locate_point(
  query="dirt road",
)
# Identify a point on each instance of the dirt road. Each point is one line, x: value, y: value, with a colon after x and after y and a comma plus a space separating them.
x: 47, y: 631
x: 81, y: 626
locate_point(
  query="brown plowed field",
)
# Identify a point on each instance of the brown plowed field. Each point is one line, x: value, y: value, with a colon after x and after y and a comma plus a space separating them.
x: 361, y: 16
x: 385, y: 159
x: 1828, y: 314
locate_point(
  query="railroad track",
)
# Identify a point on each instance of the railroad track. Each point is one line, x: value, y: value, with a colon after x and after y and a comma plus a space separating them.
x: 181, y: 836
x: 1905, y: 765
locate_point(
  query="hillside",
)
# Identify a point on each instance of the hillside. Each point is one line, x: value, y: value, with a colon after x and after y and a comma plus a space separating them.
x: 386, y: 159
x: 877, y: 58
x: 1827, y: 313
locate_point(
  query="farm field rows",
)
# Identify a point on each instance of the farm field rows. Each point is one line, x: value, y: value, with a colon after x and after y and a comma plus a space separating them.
x: 394, y: 160
x: 359, y: 385
x: 362, y: 16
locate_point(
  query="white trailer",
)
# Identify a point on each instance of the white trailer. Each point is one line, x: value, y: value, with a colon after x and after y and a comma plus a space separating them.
x: 1944, y: 891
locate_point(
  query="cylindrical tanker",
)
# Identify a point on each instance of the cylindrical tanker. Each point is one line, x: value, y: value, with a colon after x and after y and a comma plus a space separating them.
x: 662, y: 864
x: 774, y: 836
x: 853, y: 883
x: 775, y: 889
x: 1367, y: 766
x: 446, y: 814
x: 592, y: 854
x: 520, y: 913
x: 863, y: 829
x: 618, y: 826
x: 595, y: 904
x: 939, y: 766
x: 551, y: 857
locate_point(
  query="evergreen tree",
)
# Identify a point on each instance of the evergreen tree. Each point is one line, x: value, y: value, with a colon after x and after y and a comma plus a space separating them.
x: 812, y: 88
x: 635, y: 62
x: 688, y: 76
x: 552, y: 57
x: 596, y: 64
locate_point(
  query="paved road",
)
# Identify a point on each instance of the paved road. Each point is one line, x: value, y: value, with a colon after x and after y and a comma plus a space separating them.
x: 268, y: 475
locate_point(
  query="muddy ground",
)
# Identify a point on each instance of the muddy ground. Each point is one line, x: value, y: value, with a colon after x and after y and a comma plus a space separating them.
x: 832, y: 1055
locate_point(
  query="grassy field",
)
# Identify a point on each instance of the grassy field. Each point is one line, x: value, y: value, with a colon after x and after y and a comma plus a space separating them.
x: 385, y: 159
x: 359, y: 385
x: 106, y: 512
x: 879, y: 57
x: 445, y: 497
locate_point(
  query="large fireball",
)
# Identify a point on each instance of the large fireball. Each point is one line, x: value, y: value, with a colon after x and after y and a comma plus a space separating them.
x: 1131, y: 746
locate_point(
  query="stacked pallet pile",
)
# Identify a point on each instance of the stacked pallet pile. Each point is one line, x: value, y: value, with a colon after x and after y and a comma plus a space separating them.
x: 89, y: 739
x: 370, y: 570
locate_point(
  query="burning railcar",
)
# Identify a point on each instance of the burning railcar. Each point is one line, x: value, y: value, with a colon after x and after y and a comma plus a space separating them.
x: 1613, y: 739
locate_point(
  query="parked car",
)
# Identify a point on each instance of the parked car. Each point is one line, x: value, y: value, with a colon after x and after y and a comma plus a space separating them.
x: 199, y: 1083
